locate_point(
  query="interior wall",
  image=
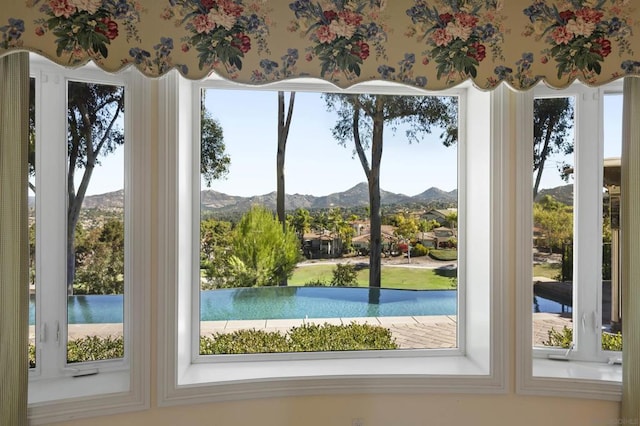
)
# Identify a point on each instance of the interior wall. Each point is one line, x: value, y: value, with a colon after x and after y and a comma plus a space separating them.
x: 378, y: 410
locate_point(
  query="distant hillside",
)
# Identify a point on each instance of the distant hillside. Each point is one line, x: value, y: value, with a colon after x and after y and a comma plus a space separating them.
x: 563, y: 194
x: 358, y: 196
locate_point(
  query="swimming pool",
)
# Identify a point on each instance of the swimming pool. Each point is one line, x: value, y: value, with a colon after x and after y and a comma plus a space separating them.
x: 290, y: 303
x: 323, y: 302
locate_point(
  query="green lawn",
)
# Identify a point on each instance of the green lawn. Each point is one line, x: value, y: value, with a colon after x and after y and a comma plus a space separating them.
x: 392, y: 277
x: 549, y: 270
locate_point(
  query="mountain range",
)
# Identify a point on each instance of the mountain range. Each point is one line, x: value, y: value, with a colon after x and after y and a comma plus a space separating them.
x: 357, y: 196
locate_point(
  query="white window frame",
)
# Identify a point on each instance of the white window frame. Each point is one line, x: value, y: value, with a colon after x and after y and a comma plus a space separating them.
x: 102, y: 386
x: 479, y: 366
x: 586, y: 370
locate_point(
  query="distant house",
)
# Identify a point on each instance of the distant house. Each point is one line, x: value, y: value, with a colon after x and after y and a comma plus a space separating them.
x: 437, y: 238
x: 361, y: 240
x: 440, y: 216
x: 321, y: 245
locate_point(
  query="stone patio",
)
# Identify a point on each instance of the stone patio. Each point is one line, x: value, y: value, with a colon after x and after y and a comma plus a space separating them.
x: 414, y: 332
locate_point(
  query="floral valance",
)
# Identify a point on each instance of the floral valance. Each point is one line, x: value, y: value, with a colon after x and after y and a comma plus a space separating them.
x: 432, y: 44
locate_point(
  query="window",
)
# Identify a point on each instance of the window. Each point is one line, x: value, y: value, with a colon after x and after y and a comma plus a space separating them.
x: 572, y: 310
x: 329, y: 233
x: 186, y: 376
x: 83, y: 329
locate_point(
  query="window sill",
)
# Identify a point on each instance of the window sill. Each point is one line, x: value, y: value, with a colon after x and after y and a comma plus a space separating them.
x: 577, y: 379
x: 223, y: 381
x: 65, y: 398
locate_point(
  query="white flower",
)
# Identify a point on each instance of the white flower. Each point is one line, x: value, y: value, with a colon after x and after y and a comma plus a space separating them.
x: 342, y: 29
x: 579, y: 27
x: 458, y: 31
x: 222, y: 19
x: 90, y: 6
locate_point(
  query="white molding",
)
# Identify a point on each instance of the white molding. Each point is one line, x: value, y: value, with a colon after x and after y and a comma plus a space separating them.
x: 479, y: 367
x: 123, y: 385
x: 586, y: 374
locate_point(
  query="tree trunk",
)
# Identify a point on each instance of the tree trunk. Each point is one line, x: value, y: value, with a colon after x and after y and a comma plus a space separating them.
x: 543, y: 157
x: 283, y: 134
x: 375, y: 219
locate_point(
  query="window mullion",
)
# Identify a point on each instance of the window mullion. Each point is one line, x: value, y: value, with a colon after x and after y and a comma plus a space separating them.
x: 51, y: 229
x: 587, y: 268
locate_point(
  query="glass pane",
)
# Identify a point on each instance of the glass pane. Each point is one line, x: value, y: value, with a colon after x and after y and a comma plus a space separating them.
x: 309, y: 285
x: 611, y: 300
x: 553, y: 148
x: 32, y: 223
x: 95, y: 228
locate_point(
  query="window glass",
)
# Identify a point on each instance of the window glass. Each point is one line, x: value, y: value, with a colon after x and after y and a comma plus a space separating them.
x: 611, y: 294
x: 32, y: 222
x: 294, y: 272
x: 553, y: 194
x: 95, y: 221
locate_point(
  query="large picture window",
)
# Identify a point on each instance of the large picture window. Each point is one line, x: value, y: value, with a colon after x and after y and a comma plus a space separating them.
x: 286, y: 258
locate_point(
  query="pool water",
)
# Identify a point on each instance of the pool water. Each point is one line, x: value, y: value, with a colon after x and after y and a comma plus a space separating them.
x: 290, y: 303
x: 322, y: 302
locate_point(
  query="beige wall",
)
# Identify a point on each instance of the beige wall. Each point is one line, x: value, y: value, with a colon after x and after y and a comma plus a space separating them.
x: 378, y: 410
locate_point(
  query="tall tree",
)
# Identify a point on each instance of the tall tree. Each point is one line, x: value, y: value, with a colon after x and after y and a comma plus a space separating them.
x: 214, y: 161
x: 284, y: 123
x: 552, y: 125
x: 94, y: 113
x: 262, y: 253
x: 363, y: 118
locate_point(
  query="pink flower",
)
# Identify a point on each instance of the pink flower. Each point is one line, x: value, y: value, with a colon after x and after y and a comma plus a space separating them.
x: 544, y: 59
x: 601, y: 46
x: 567, y: 15
x: 242, y: 42
x: 466, y: 20
x: 107, y: 27
x: 425, y: 61
x: 446, y: 18
x: 477, y: 51
x: 361, y: 50
x: 561, y: 36
x: 39, y: 31
x: 231, y: 8
x: 308, y: 57
x: 62, y: 8
x: 208, y: 4
x: 589, y: 15
x: 184, y: 47
x: 203, y: 24
x: 325, y: 35
x: 330, y: 15
x: 351, y: 18
x: 441, y: 37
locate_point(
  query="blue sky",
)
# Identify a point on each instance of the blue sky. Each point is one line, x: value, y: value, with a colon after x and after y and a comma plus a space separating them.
x: 315, y: 163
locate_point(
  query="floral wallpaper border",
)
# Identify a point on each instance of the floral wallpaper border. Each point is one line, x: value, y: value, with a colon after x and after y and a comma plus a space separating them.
x: 433, y: 44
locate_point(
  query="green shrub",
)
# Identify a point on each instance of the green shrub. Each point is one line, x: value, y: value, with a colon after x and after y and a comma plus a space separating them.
x: 90, y: 348
x: 306, y: 338
x: 419, y: 250
x: 316, y: 283
x: 564, y: 338
x: 344, y: 275
x: 243, y: 342
x: 447, y: 254
x: 611, y: 341
x: 94, y: 348
x: 328, y: 337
